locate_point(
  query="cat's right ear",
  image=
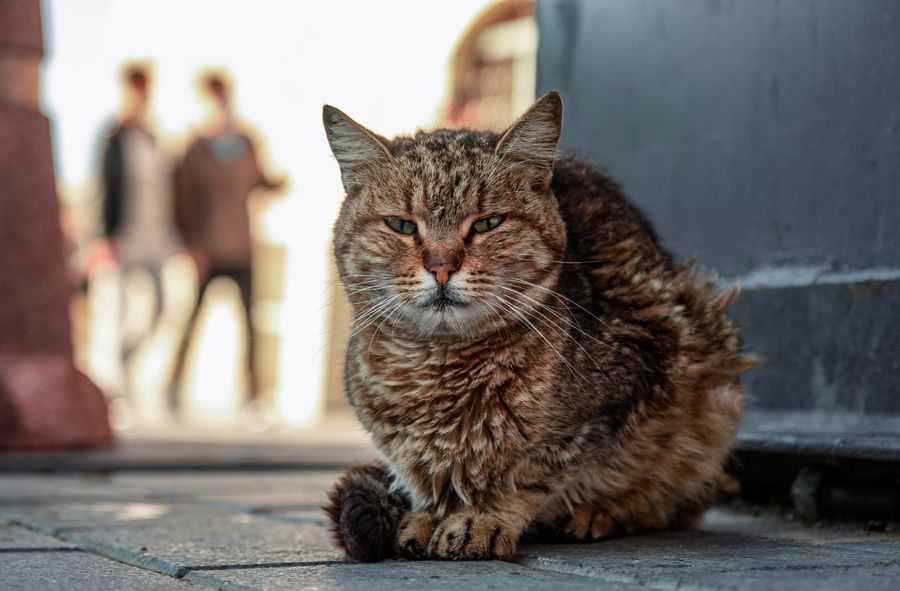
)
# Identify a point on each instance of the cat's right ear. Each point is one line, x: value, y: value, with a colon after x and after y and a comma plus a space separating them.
x: 356, y: 149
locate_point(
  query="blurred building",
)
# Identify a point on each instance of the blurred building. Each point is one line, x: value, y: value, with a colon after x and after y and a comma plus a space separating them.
x: 493, y: 69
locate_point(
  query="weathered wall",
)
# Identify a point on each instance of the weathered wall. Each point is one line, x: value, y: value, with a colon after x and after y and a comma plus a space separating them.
x: 763, y: 139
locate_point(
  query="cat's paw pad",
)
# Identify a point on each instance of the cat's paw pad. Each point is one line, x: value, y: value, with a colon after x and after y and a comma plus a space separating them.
x: 590, y: 525
x: 473, y: 536
x: 416, y: 531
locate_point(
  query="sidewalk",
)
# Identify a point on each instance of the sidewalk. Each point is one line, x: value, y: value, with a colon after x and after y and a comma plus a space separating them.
x: 264, y: 530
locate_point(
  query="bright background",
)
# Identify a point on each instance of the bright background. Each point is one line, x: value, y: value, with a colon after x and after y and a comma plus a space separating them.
x: 385, y: 63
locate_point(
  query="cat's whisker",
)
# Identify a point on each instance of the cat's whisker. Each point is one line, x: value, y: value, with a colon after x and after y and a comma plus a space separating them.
x: 350, y: 280
x: 403, y: 309
x: 397, y: 306
x: 562, y: 332
x: 367, y: 288
x: 482, y: 303
x: 334, y: 334
x: 370, y: 315
x: 347, y: 294
x: 373, y: 310
x: 562, y: 297
x: 530, y: 325
x: 573, y: 322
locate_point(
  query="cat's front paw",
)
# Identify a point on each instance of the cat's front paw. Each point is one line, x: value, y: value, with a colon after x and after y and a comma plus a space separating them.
x: 416, y: 531
x: 469, y: 535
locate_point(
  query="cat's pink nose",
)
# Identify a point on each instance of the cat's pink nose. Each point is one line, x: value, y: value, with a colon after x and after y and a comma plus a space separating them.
x: 442, y: 270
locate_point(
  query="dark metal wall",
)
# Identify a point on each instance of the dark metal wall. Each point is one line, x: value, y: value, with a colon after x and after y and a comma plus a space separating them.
x: 762, y: 138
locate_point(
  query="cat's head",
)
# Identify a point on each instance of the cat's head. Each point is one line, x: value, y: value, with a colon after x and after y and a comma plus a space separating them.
x: 451, y: 232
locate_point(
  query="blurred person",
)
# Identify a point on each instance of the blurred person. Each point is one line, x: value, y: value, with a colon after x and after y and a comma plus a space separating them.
x: 214, y: 181
x: 139, y: 232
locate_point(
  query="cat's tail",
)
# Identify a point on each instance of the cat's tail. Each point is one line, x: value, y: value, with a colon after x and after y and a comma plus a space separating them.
x: 365, y: 514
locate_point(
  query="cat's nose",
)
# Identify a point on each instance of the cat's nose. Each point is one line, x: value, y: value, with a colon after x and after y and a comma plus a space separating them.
x: 442, y: 269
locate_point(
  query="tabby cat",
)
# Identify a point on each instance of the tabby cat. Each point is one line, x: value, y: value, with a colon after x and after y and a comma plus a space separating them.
x: 529, y: 361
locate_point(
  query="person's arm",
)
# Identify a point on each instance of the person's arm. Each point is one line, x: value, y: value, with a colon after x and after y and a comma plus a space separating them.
x: 262, y: 180
x: 113, y: 181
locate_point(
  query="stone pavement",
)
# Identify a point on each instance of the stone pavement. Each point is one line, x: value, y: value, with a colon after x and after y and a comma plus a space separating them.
x: 264, y: 530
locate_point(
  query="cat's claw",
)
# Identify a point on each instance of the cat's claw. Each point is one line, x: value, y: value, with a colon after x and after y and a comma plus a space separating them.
x: 416, y: 531
x: 468, y: 535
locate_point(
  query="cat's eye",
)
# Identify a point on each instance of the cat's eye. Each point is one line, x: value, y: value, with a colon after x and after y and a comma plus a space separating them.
x: 487, y: 224
x: 400, y: 226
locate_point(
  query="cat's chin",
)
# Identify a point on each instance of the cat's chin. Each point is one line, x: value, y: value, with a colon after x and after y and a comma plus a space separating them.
x: 448, y: 319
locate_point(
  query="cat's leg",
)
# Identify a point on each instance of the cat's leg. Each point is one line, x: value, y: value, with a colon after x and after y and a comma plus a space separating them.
x: 603, y: 517
x: 591, y: 523
x: 588, y: 522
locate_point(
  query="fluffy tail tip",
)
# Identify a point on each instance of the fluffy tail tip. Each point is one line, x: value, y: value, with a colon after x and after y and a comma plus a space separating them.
x: 365, y: 515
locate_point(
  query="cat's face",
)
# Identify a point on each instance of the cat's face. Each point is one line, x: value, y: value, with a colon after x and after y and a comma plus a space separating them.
x: 451, y: 233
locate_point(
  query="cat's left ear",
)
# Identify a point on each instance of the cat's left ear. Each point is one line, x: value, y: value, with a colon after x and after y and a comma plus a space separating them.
x: 533, y: 137
x: 356, y: 149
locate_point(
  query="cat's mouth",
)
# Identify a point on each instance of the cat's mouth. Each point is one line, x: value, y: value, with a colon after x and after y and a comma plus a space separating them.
x: 443, y: 301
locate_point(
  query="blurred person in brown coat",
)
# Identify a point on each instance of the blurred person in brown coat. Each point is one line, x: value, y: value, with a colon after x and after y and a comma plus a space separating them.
x: 214, y: 181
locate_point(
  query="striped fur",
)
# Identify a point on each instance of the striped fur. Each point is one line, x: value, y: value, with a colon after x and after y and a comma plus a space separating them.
x: 582, y: 385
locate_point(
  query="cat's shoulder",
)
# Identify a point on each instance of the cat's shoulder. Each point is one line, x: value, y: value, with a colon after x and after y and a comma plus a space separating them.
x: 590, y: 199
x: 575, y: 173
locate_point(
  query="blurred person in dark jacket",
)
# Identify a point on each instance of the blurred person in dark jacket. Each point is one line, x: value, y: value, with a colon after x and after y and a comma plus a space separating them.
x: 137, y: 200
x: 214, y: 181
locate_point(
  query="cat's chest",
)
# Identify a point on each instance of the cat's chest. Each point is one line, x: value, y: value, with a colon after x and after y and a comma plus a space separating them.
x: 449, y: 421
x: 459, y: 401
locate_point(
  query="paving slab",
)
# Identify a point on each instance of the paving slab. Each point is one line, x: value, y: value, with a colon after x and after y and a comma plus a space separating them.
x: 79, y: 571
x: 773, y: 526
x: 825, y: 579
x: 173, y: 547
x: 31, y: 489
x: 658, y: 556
x: 230, y: 483
x: 244, y: 492
x: 302, y: 515
x: 265, y: 530
x: 13, y: 537
x: 269, y: 502
x: 188, y: 455
x: 61, y: 516
x: 400, y: 576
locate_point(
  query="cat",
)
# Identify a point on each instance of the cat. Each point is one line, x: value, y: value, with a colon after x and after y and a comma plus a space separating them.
x: 529, y: 361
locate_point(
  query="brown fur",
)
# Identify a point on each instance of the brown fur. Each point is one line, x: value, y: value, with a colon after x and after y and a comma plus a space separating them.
x: 365, y: 514
x: 588, y: 388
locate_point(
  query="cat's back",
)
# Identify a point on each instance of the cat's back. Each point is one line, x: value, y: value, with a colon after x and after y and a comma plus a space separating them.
x: 597, y: 214
x: 615, y: 268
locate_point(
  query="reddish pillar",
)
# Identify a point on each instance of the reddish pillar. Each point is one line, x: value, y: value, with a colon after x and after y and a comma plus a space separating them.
x: 45, y: 402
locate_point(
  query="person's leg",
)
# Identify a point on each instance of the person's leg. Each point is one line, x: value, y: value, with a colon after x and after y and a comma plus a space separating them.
x: 244, y: 279
x: 177, y: 374
x: 127, y: 343
x: 156, y: 276
x: 154, y: 270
